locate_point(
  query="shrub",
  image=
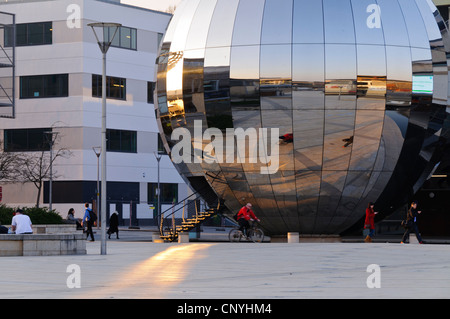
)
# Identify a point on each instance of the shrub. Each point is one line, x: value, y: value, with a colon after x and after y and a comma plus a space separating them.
x: 38, y: 216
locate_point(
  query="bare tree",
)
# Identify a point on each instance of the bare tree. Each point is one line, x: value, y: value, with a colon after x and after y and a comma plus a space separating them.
x: 8, y: 166
x: 34, y: 167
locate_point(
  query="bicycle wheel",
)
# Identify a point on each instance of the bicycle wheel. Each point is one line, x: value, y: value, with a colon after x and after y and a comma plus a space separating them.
x: 235, y: 235
x: 257, y: 235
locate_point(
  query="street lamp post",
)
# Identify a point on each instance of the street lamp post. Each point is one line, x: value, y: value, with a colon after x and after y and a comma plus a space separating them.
x: 50, y: 182
x: 97, y: 151
x: 104, y: 42
x: 158, y: 158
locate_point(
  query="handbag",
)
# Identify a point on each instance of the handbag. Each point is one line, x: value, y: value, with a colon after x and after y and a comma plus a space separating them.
x: 406, y: 223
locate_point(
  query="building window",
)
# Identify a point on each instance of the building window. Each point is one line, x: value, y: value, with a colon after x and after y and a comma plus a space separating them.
x: 150, y: 92
x: 161, y: 148
x: 169, y: 193
x: 26, y: 140
x: 125, y: 38
x: 121, y: 141
x: 30, y: 34
x: 44, y: 86
x: 115, y: 87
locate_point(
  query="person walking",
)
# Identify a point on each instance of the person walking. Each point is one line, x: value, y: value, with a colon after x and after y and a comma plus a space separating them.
x: 369, y: 222
x: 411, y: 221
x: 113, y: 225
x: 88, y: 221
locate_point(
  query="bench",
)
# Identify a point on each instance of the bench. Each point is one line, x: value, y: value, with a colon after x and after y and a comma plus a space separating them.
x: 42, y: 244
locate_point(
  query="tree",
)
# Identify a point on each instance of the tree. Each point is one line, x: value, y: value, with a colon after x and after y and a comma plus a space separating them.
x: 35, y: 167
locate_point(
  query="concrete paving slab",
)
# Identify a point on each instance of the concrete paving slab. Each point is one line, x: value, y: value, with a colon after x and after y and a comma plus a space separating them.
x: 142, y: 269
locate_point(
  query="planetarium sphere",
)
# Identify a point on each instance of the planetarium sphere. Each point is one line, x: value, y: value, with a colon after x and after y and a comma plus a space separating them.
x: 333, y: 104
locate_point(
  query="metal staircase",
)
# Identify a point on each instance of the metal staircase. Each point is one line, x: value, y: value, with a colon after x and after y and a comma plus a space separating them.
x: 186, y: 215
x: 7, y: 64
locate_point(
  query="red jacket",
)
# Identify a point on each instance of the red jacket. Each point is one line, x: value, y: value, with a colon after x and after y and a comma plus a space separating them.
x: 246, y: 213
x: 370, y: 219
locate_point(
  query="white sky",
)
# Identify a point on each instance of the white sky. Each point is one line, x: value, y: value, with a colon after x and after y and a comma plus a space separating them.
x: 160, y: 5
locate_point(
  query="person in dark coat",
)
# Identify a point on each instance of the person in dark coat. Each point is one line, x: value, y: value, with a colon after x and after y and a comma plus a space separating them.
x: 113, y: 225
x: 369, y: 222
x: 412, y: 219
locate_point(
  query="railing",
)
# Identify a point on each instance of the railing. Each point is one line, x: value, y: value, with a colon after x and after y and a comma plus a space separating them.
x: 194, y: 210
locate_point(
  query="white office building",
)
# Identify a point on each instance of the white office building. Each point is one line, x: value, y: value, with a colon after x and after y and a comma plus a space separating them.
x: 58, y: 89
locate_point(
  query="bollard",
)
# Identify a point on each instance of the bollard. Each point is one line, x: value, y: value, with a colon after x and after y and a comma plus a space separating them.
x: 293, y: 238
x: 183, y: 238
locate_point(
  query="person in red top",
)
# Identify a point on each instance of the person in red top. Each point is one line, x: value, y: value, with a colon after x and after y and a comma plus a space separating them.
x: 369, y: 223
x: 244, y: 216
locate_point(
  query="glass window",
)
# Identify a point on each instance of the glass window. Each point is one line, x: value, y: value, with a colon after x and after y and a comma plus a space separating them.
x: 44, y: 86
x: 26, y: 140
x: 308, y: 22
x: 277, y: 22
x: 115, y: 87
x: 247, y: 27
x: 338, y: 18
x: 121, y: 141
x: 151, y: 92
x: 125, y: 38
x: 169, y: 193
x: 32, y: 34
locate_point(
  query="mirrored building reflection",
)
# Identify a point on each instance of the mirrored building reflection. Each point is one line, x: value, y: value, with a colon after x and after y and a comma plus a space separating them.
x: 357, y: 91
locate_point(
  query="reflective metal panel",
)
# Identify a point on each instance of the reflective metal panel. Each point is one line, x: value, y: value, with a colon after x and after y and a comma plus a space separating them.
x: 340, y: 76
x: 399, y: 76
x: 338, y: 17
x: 222, y: 23
x: 308, y: 76
x: 276, y: 78
x: 247, y: 27
x: 308, y: 22
x: 277, y: 22
x: 367, y: 22
x: 244, y: 77
x: 394, y: 26
x: 355, y: 89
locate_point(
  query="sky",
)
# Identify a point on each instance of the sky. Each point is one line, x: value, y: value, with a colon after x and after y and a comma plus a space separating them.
x: 160, y: 5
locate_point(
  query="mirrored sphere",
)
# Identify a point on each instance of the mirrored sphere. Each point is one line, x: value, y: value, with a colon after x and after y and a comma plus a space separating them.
x: 308, y: 110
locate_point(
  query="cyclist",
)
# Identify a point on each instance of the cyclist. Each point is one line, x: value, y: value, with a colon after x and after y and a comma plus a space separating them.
x: 244, y: 216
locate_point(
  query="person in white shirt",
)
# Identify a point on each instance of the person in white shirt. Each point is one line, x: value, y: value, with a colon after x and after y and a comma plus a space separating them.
x: 21, y: 224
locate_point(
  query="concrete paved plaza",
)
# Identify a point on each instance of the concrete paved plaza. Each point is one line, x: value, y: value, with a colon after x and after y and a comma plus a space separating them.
x: 142, y: 269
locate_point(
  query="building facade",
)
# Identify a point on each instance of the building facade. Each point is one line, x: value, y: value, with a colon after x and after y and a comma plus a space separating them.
x: 58, y: 90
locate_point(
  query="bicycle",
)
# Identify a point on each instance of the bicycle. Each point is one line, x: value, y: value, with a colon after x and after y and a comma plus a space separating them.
x: 254, y: 234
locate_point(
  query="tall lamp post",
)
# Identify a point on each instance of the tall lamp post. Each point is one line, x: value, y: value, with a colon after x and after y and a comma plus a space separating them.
x: 50, y: 183
x: 104, y: 33
x: 97, y: 151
